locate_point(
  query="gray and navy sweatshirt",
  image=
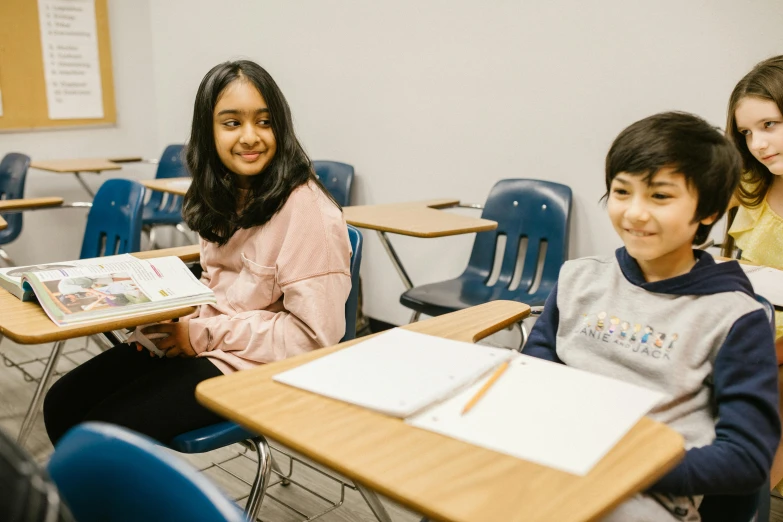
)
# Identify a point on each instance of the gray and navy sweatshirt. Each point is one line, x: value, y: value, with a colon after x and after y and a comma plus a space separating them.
x: 700, y: 338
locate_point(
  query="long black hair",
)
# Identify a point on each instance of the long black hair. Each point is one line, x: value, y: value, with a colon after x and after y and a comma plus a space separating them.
x: 210, y: 205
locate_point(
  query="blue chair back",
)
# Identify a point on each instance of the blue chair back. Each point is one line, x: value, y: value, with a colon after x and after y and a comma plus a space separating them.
x: 114, y: 221
x: 741, y: 507
x: 13, y: 171
x: 352, y: 304
x: 337, y: 178
x: 108, y: 473
x: 525, y: 209
x: 166, y: 208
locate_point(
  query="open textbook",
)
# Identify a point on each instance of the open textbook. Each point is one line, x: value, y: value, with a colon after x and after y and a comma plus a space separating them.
x: 537, y: 410
x: 89, y: 290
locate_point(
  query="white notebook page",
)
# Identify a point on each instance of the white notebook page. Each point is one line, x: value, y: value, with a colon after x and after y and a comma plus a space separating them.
x: 397, y: 372
x: 545, y: 413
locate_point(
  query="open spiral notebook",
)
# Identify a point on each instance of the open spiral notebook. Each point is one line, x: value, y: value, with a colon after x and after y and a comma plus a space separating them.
x: 539, y: 411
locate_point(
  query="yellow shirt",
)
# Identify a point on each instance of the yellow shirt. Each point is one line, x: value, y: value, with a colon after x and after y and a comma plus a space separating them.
x: 758, y: 232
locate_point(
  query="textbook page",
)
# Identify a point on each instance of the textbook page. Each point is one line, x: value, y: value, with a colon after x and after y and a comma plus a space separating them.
x: 398, y: 372
x: 11, y: 278
x: 544, y: 412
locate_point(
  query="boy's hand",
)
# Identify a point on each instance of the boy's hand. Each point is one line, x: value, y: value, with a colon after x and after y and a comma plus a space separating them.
x: 178, y: 341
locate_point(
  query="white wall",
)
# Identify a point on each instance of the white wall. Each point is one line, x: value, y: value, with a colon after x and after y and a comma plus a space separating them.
x: 443, y: 98
x: 439, y: 98
x: 57, y: 234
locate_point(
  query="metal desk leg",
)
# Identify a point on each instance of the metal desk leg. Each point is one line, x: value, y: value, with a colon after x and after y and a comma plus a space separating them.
x: 43, y: 385
x: 395, y: 260
x: 374, y: 502
x: 406, y: 280
x: 84, y: 184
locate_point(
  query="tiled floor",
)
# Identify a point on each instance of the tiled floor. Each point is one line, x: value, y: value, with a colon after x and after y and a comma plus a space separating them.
x: 16, y: 393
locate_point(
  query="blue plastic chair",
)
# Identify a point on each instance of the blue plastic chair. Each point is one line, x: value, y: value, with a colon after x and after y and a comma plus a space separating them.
x: 114, y: 221
x: 525, y: 209
x: 227, y: 433
x: 165, y: 209
x: 755, y: 506
x: 160, y: 210
x: 13, y: 172
x: 106, y: 473
x: 337, y: 178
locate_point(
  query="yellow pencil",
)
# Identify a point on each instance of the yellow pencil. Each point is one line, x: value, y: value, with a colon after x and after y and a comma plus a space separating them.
x: 479, y: 394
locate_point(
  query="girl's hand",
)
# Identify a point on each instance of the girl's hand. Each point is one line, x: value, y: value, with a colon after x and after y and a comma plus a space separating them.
x: 178, y: 341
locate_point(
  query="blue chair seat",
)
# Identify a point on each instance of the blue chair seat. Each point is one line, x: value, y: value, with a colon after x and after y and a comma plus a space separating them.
x: 534, y: 217
x: 463, y: 292
x: 210, y: 438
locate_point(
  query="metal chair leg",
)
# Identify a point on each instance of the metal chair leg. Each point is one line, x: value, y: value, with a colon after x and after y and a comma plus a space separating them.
x: 374, y: 503
x: 43, y: 385
x: 182, y: 230
x: 262, y: 477
x: 152, y: 245
x: 523, y: 335
x: 6, y: 259
x: 276, y: 468
x: 414, y: 317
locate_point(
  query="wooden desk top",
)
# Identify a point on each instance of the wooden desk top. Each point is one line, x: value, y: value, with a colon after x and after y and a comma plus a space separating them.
x: 76, y: 165
x: 441, y: 477
x: 27, y: 323
x: 187, y: 254
x: 176, y: 186
x: 29, y: 203
x: 3, y: 223
x: 417, y: 219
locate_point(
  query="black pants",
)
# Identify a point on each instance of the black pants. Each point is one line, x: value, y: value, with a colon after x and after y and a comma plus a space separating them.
x: 123, y: 386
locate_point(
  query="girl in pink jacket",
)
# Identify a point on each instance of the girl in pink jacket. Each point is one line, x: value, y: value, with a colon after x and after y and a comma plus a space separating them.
x: 274, y: 249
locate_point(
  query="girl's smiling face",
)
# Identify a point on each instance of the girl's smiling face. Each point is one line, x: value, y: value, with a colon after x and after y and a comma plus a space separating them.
x: 244, y: 139
x: 761, y: 122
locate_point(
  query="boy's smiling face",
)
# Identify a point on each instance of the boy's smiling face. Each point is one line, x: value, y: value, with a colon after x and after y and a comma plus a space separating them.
x: 655, y: 220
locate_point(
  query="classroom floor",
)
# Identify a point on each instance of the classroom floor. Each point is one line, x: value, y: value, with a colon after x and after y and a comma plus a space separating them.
x: 17, y: 393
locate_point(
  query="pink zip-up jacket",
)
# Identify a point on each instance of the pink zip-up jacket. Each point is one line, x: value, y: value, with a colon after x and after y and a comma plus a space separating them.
x: 281, y: 287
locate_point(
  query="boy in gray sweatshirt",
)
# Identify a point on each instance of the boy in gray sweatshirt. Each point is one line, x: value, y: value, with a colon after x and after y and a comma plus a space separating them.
x: 663, y: 315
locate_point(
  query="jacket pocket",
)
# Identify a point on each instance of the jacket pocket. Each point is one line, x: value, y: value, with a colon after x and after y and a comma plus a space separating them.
x: 253, y: 287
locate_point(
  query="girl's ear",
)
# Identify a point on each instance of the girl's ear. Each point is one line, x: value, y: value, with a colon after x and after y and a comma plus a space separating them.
x: 709, y: 220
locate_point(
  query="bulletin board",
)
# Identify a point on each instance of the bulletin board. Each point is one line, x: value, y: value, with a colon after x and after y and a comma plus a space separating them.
x: 23, y: 89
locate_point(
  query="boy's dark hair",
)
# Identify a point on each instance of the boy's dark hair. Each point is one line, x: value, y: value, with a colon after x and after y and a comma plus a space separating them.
x: 210, y: 205
x: 688, y: 144
x: 765, y: 82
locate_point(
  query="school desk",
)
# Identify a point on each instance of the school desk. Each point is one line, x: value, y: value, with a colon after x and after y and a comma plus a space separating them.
x: 176, y: 186
x: 17, y: 205
x: 443, y: 478
x: 27, y: 323
x: 20, y: 205
x: 76, y: 167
